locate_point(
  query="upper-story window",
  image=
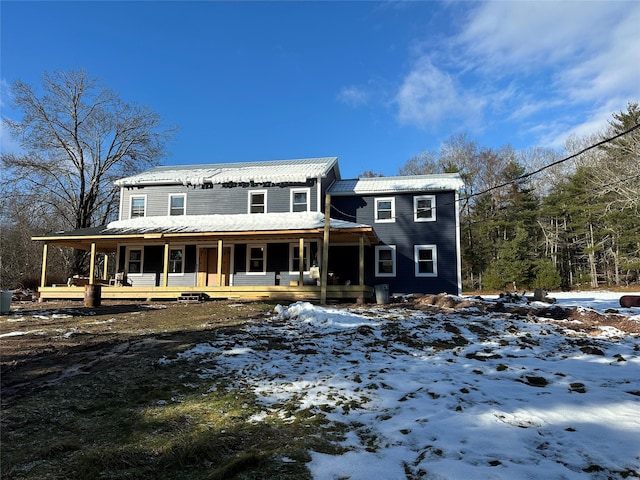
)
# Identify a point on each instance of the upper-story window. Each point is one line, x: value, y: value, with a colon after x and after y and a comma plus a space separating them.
x: 424, y: 208
x: 300, y: 200
x: 138, y: 206
x: 178, y: 204
x: 385, y: 210
x: 258, y: 201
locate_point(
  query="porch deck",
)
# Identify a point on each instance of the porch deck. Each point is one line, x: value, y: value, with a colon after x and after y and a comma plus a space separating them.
x: 311, y: 293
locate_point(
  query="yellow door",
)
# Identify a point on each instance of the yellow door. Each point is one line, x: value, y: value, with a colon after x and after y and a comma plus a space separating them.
x: 208, y: 270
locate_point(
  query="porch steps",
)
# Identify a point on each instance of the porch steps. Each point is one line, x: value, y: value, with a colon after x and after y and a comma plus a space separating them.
x: 192, y: 297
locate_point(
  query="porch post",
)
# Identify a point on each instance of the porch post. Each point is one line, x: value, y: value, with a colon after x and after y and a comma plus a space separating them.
x: 361, y: 266
x: 325, y: 250
x: 220, y: 262
x: 165, y: 268
x: 301, y: 258
x: 43, y: 277
x: 105, y: 266
x: 92, y: 264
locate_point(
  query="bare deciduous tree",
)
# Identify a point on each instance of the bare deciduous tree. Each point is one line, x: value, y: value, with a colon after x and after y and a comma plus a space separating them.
x: 78, y: 137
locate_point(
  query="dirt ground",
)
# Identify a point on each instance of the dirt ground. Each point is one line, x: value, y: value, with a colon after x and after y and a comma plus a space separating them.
x: 42, y: 344
x: 83, y: 394
x: 58, y: 340
x: 572, y: 318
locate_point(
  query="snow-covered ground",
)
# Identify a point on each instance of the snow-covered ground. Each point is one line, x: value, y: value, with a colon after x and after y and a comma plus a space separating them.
x: 446, y: 395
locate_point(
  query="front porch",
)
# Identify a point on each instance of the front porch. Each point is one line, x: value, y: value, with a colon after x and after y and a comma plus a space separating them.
x: 359, y: 293
x: 290, y: 263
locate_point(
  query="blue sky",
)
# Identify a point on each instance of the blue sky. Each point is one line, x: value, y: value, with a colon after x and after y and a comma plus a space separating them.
x: 373, y: 83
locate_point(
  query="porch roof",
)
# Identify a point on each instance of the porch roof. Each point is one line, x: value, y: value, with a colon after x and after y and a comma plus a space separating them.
x: 195, y: 227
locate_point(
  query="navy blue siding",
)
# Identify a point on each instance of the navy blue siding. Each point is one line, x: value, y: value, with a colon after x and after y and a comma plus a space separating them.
x: 405, y: 233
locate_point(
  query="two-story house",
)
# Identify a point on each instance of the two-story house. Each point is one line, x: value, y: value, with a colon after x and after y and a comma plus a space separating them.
x: 260, y: 229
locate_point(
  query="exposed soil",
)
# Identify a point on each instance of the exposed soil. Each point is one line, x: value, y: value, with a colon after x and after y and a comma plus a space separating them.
x: 85, y: 395
x: 42, y: 344
x: 571, y: 318
x: 63, y: 339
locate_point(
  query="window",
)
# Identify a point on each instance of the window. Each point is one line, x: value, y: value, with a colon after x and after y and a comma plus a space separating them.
x: 426, y: 260
x: 258, y: 201
x: 256, y: 258
x: 424, y: 208
x: 300, y: 200
x: 385, y: 261
x: 294, y: 258
x: 134, y: 261
x: 176, y: 256
x: 385, y: 210
x: 177, y: 204
x: 138, y: 206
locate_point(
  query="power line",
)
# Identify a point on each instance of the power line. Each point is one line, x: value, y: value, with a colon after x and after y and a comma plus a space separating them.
x: 530, y: 174
x: 557, y: 162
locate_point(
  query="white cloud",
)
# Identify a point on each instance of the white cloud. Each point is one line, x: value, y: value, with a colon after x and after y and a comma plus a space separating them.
x: 8, y: 144
x: 5, y: 94
x: 429, y: 95
x: 524, y: 35
x: 561, y: 67
x: 353, y: 96
x: 612, y: 70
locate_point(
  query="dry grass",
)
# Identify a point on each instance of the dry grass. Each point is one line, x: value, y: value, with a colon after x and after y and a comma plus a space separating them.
x: 85, y: 397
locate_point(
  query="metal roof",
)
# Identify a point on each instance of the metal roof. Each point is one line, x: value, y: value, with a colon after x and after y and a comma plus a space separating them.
x: 274, y: 171
x: 256, y: 222
x: 413, y: 183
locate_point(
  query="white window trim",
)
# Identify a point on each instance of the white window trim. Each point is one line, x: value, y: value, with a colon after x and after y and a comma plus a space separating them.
x: 416, y: 250
x: 181, y: 248
x: 393, y: 210
x: 392, y: 248
x: 121, y: 206
x: 264, y: 258
x: 300, y: 190
x: 144, y: 197
x: 307, y: 248
x: 126, y: 260
x: 172, y: 195
x: 250, y: 193
x: 433, y: 208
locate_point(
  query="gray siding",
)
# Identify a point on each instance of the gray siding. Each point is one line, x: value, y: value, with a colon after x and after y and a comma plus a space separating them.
x: 242, y: 279
x: 142, y: 280
x: 186, y: 280
x: 216, y: 200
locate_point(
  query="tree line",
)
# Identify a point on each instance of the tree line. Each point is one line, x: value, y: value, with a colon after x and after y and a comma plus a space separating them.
x: 574, y: 223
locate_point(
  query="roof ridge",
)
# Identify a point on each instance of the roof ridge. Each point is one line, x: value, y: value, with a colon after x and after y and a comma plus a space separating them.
x: 241, y: 164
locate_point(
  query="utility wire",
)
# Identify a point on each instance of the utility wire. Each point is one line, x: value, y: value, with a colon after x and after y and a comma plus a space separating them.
x: 528, y: 174
x: 557, y: 162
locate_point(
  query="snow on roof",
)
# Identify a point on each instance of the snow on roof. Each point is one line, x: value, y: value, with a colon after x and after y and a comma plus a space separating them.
x: 275, y: 171
x: 413, y: 183
x: 225, y: 223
